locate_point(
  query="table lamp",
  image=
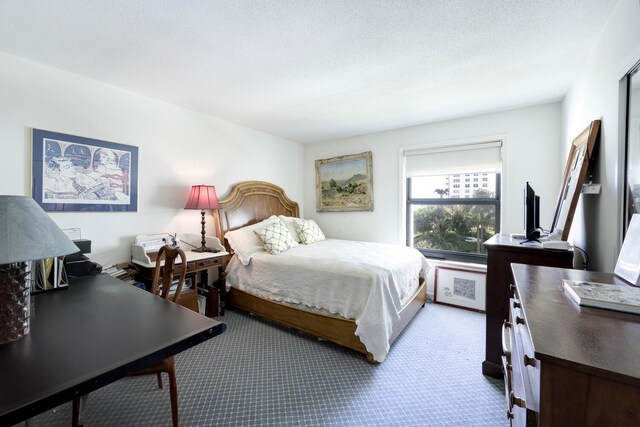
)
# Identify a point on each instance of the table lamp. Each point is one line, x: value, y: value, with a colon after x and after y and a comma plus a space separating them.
x: 203, y: 197
x: 27, y: 233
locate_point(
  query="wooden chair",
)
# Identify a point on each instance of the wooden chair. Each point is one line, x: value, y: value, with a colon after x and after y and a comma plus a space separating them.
x: 160, y: 286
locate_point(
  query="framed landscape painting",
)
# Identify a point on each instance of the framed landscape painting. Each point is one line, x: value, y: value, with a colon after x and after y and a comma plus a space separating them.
x: 460, y: 288
x: 344, y: 183
x: 73, y: 173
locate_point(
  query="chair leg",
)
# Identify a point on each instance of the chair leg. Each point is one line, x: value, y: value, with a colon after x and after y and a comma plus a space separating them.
x: 173, y: 392
x: 159, y: 375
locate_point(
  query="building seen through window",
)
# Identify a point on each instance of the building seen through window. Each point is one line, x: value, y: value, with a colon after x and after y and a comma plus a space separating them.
x: 450, y: 222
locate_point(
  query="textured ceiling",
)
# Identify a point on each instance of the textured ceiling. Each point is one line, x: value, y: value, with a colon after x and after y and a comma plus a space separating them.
x: 316, y: 70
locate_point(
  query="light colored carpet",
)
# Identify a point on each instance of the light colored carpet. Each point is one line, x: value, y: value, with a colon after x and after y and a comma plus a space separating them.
x: 260, y: 374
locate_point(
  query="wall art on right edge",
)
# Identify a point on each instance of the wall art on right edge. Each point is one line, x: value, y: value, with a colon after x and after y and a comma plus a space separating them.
x: 460, y: 288
x: 344, y: 183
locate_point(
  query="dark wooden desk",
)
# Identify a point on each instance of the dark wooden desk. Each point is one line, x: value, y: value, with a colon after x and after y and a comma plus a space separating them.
x: 87, y: 336
x: 571, y: 365
x: 502, y: 250
x: 196, y: 263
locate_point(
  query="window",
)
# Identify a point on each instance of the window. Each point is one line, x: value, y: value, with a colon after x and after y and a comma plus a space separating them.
x: 443, y: 222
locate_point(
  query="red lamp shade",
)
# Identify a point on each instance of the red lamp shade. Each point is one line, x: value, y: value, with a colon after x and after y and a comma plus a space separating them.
x: 203, y: 197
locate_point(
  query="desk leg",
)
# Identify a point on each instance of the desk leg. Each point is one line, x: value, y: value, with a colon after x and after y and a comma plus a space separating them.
x: 216, y: 300
x: 78, y: 405
x: 222, y: 289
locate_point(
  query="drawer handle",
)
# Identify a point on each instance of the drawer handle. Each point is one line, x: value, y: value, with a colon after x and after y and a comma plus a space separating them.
x: 508, y: 387
x: 516, y: 304
x: 520, y: 320
x: 516, y: 401
x: 506, y: 345
x: 529, y: 361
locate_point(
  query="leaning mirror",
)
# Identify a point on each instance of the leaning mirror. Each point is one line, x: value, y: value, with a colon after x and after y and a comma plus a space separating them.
x: 632, y: 154
x: 574, y: 174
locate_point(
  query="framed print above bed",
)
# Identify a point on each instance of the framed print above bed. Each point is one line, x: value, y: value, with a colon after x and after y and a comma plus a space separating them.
x: 344, y: 183
x: 73, y: 173
x: 460, y: 288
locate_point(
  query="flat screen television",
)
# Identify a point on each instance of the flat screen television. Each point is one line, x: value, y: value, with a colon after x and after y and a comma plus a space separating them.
x: 531, y: 213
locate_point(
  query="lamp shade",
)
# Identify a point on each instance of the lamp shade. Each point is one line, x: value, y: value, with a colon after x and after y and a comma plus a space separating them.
x: 27, y: 233
x: 203, y: 197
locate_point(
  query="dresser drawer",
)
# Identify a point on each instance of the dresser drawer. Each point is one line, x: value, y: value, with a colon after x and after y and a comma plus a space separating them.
x: 526, y: 369
x: 204, y: 263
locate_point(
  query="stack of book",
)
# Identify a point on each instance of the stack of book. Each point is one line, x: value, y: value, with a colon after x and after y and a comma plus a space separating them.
x: 604, y: 295
x: 122, y: 271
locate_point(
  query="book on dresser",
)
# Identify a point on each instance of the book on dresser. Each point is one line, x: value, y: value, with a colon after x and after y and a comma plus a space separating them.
x: 604, y: 295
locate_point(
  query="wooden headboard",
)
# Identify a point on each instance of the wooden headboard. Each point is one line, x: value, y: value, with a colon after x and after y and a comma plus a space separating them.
x: 250, y: 202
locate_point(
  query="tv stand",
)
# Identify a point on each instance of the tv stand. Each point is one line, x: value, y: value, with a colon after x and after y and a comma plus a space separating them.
x: 502, y: 250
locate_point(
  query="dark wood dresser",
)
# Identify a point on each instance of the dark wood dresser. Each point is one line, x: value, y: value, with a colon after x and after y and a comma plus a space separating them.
x: 568, y: 365
x: 502, y: 250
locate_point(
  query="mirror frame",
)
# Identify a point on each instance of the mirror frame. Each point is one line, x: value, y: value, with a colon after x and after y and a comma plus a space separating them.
x: 631, y: 149
x: 574, y: 175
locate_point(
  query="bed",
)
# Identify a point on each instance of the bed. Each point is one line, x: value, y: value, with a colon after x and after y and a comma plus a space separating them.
x: 369, y: 325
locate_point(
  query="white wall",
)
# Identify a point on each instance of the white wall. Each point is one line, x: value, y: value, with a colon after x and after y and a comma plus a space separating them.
x: 594, y: 95
x: 531, y: 152
x: 177, y: 148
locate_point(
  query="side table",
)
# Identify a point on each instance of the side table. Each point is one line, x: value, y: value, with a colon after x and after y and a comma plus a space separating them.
x: 197, y: 262
x: 502, y: 250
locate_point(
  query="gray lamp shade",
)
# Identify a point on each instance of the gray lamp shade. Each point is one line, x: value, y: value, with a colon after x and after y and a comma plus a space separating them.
x: 27, y: 233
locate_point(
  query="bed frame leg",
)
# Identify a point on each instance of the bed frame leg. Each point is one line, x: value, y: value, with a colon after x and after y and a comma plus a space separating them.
x: 371, y: 360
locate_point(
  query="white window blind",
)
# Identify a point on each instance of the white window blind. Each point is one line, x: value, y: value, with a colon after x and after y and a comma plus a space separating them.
x: 479, y: 157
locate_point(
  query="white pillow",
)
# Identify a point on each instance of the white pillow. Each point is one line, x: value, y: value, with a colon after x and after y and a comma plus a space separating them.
x: 288, y: 221
x: 244, y: 241
x: 276, y: 238
x: 308, y: 231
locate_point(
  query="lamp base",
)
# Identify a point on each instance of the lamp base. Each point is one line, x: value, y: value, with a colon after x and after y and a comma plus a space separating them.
x: 15, y: 288
x: 204, y: 249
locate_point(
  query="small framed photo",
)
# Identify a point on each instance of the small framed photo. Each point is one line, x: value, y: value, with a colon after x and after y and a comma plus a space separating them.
x: 74, y: 173
x: 460, y: 288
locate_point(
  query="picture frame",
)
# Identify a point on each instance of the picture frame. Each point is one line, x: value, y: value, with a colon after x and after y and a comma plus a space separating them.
x: 344, y: 183
x: 575, y: 171
x: 458, y: 287
x: 73, y: 173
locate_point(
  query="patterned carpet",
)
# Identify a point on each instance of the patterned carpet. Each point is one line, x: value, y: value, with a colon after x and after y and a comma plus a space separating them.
x: 259, y: 374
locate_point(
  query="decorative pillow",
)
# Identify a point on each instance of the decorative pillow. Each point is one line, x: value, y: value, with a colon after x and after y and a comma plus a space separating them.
x: 276, y: 238
x: 308, y: 231
x: 244, y: 241
x: 288, y: 221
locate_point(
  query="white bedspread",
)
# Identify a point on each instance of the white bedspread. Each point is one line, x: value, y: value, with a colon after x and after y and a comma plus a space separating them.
x: 367, y: 282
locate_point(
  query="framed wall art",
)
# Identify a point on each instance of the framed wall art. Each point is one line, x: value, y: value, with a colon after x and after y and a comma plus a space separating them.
x: 344, y: 183
x: 460, y: 288
x: 73, y: 173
